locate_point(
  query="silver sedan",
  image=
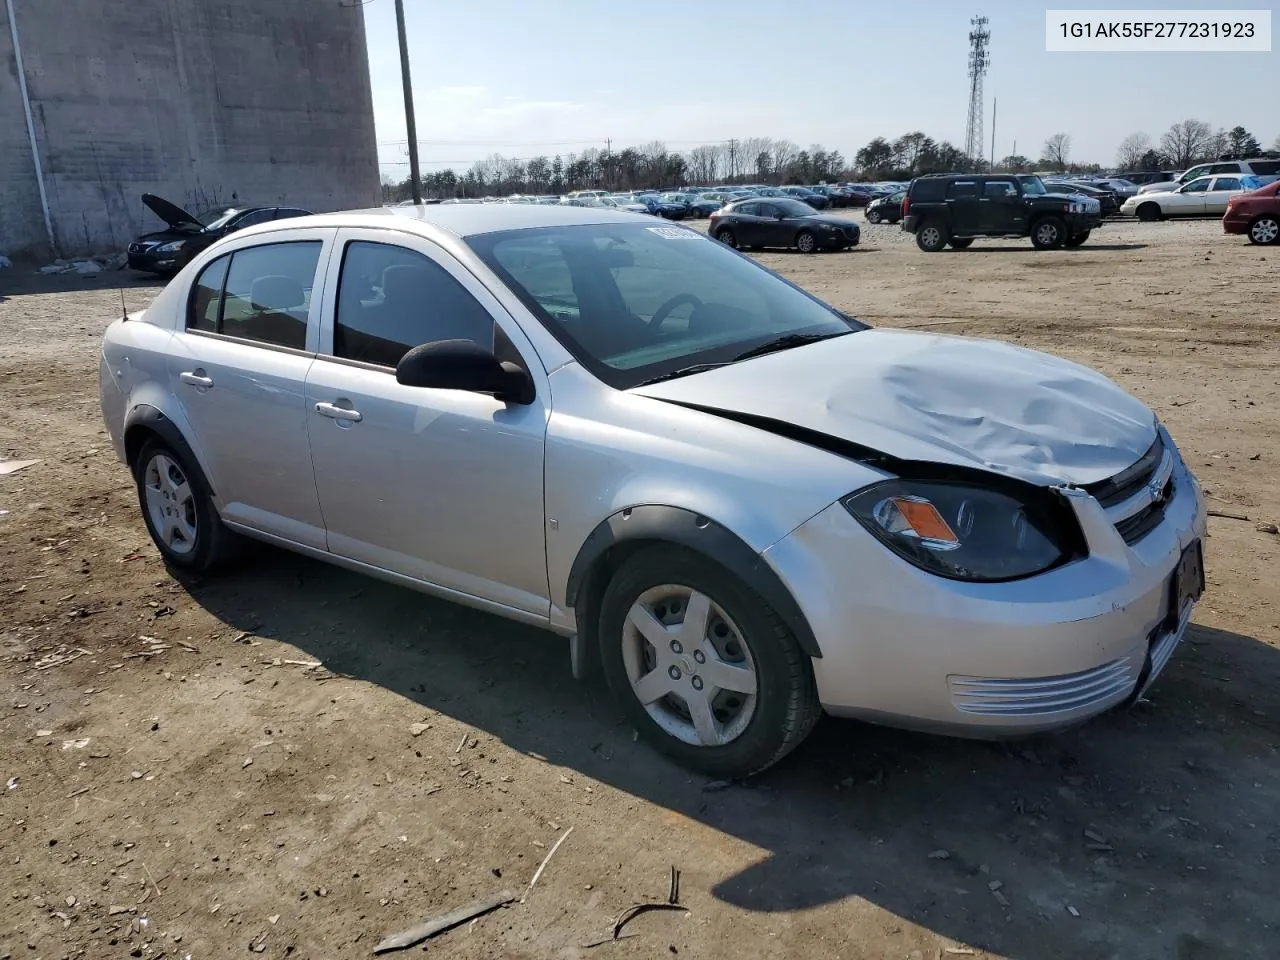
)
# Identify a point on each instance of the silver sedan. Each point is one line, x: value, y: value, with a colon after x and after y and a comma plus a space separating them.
x: 740, y: 504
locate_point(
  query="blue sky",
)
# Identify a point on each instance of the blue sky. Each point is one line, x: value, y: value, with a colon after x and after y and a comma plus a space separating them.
x: 524, y: 78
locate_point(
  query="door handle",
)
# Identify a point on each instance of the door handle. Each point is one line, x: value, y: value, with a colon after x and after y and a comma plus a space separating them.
x: 195, y: 379
x: 338, y: 413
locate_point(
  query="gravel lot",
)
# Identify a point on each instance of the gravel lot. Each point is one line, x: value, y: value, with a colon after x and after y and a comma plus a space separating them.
x: 181, y: 783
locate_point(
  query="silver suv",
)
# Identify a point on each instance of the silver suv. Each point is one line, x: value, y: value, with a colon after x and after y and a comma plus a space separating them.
x: 741, y: 504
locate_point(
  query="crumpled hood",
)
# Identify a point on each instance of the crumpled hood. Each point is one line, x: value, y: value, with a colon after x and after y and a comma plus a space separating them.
x: 942, y: 399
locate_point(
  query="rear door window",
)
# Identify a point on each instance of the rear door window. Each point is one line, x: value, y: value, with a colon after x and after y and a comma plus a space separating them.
x: 267, y: 293
x: 1227, y: 183
x: 963, y: 188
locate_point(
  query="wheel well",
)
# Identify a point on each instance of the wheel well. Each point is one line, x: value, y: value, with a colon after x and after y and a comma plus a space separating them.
x: 135, y: 437
x: 620, y: 536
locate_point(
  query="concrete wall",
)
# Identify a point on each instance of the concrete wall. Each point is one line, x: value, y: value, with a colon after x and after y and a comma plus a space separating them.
x: 199, y: 101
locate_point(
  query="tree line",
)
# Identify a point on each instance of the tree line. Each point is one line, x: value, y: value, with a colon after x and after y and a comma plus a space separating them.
x: 766, y: 160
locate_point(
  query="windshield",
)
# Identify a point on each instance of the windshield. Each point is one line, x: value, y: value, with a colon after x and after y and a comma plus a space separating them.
x: 1032, y: 186
x: 215, y: 217
x: 632, y: 302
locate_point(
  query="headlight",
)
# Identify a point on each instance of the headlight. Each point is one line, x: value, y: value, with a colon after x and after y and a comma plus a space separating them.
x: 968, y: 532
x: 173, y: 246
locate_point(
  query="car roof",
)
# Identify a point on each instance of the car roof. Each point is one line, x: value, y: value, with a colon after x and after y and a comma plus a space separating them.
x: 467, y: 219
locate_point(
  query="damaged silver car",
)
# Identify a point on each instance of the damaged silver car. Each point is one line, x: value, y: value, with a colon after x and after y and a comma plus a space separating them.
x: 745, y: 506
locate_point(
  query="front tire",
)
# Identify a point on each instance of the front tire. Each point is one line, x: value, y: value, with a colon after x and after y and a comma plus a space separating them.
x: 806, y: 242
x: 1048, y: 233
x: 932, y: 236
x: 727, y: 237
x: 702, y: 666
x: 1265, y: 230
x: 1150, y: 211
x: 178, y: 511
x: 873, y: 216
x: 1076, y: 239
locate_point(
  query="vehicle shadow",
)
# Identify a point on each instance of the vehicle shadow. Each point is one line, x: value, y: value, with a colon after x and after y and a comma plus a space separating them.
x: 1086, y: 248
x: 1141, y: 834
x: 16, y: 283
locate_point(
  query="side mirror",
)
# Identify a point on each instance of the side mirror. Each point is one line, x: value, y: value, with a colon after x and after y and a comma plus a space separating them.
x: 465, y: 365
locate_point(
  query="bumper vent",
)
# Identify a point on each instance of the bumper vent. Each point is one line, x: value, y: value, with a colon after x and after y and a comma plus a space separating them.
x: 1043, y: 696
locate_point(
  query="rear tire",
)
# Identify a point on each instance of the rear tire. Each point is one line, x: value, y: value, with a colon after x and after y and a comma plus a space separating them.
x: 960, y: 243
x: 1048, y: 233
x: 932, y: 236
x: 1076, y: 239
x: 727, y: 237
x: 1150, y: 211
x: 806, y: 242
x: 178, y: 510
x: 741, y: 630
x: 1265, y: 230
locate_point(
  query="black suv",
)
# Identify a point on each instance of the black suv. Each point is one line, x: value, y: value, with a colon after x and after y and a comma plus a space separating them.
x: 952, y: 208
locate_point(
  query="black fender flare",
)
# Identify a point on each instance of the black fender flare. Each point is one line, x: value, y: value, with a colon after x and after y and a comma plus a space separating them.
x: 154, y: 420
x: 703, y: 535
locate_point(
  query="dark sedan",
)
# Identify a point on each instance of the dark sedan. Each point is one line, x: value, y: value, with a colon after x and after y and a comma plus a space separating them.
x: 887, y: 209
x: 1108, y: 200
x: 168, y: 251
x: 695, y: 206
x: 781, y: 222
x: 815, y: 200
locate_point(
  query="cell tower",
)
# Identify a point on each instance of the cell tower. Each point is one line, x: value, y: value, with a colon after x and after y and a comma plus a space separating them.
x: 979, y: 60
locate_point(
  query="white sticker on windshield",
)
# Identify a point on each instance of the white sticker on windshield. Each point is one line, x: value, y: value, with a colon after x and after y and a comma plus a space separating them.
x: 675, y: 233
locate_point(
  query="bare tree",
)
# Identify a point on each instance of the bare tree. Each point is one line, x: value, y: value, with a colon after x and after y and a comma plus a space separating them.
x: 1132, y: 147
x: 1186, y: 142
x: 1275, y: 144
x: 704, y: 163
x: 784, y: 154
x: 1056, y: 150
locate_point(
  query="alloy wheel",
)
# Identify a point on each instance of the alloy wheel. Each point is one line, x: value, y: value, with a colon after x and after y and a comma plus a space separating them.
x: 1047, y: 234
x: 805, y: 243
x: 689, y: 666
x: 1265, y: 230
x: 171, y: 504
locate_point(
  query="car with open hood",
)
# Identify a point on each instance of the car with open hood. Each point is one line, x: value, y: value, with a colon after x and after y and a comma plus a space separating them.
x: 740, y: 505
x: 167, y: 251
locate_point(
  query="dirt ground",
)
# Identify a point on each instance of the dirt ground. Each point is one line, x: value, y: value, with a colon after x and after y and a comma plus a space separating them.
x: 181, y: 783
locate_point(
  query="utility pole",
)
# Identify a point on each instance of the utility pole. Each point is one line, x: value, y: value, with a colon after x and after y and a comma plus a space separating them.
x: 994, y: 101
x: 733, y: 159
x: 410, y: 125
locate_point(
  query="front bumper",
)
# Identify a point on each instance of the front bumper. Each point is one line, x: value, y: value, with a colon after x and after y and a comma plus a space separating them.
x: 905, y: 648
x: 1235, y: 222
x: 145, y: 259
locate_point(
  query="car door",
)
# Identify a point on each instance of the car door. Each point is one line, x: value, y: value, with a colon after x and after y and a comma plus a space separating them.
x: 1000, y: 209
x: 963, y: 207
x: 777, y: 229
x: 745, y: 222
x: 238, y: 368
x: 443, y: 486
x: 1188, y: 200
x: 1220, y: 191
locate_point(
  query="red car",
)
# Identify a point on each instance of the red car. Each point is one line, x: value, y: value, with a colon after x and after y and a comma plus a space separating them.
x: 1256, y: 213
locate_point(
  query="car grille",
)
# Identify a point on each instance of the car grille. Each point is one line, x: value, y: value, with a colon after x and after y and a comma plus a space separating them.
x: 1041, y: 696
x: 1136, y: 498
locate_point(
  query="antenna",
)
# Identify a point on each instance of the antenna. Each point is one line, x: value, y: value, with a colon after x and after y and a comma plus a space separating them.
x: 124, y: 311
x: 979, y: 60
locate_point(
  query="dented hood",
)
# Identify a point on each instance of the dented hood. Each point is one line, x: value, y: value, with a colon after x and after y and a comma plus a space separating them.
x: 941, y: 399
